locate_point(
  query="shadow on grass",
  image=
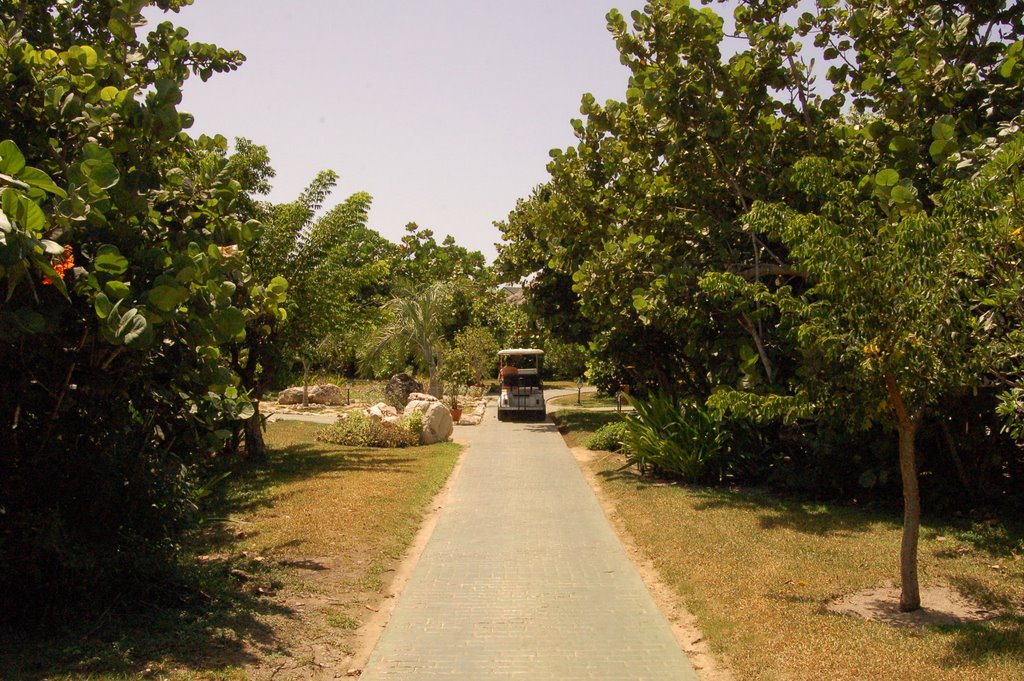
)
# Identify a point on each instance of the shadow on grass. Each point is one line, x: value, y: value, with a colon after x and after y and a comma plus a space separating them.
x: 206, y: 614
x: 199, y: 622
x: 808, y: 517
x: 293, y: 461
x: 999, y: 638
x: 576, y: 421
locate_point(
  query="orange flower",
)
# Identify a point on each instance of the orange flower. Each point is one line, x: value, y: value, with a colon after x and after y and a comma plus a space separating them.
x: 61, y: 267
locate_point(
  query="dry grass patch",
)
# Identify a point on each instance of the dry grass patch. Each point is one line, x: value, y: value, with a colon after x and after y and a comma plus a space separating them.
x: 759, y: 572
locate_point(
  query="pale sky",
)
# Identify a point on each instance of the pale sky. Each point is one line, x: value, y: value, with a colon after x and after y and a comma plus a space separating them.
x: 444, y: 111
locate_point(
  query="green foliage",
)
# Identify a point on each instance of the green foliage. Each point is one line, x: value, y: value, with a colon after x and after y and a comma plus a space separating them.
x: 679, y: 440
x: 129, y: 297
x: 414, y: 322
x: 357, y: 429
x: 475, y: 351
x: 609, y: 437
x: 340, y: 271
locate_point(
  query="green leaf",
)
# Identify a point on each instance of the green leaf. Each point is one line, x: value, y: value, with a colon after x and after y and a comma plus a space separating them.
x: 94, y: 152
x: 118, y: 290
x: 902, y: 194
x: 943, y: 131
x: 132, y: 326
x: 37, y: 178
x: 167, y: 298
x: 29, y: 321
x: 33, y: 219
x: 102, y: 305
x: 887, y: 178
x: 120, y: 27
x: 278, y: 285
x: 103, y: 175
x: 11, y: 158
x: 901, y: 145
x: 939, y: 150
x: 228, y: 324
x: 110, y: 261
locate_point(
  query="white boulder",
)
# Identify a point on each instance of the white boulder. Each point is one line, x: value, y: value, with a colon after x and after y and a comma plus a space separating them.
x: 381, y: 411
x: 437, y: 419
x: 322, y: 393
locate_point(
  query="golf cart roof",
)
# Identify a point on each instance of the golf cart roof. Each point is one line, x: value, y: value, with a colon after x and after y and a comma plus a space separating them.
x: 519, y: 351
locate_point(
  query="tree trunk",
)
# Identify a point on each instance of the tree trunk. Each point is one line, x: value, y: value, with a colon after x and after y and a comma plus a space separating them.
x: 910, y: 591
x: 954, y: 454
x: 305, y: 382
x: 906, y: 427
x: 255, y: 447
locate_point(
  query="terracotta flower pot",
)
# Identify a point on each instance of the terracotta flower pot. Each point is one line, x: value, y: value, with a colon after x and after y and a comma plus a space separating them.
x: 456, y: 414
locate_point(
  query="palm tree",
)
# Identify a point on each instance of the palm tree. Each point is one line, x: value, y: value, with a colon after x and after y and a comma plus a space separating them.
x: 415, y: 322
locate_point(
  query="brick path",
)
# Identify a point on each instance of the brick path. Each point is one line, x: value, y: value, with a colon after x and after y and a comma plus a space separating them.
x: 524, y: 578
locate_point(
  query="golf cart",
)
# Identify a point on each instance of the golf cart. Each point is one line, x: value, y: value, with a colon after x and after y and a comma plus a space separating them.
x: 522, y: 391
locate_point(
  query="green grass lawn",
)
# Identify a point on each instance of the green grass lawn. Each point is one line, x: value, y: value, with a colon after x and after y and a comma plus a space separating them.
x: 301, y: 559
x: 587, y: 401
x: 578, y: 425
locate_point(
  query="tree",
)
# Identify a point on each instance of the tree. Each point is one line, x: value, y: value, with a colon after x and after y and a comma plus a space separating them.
x: 479, y: 351
x: 661, y: 237
x: 116, y: 389
x: 652, y: 195
x: 414, y: 319
x: 339, y: 269
x: 896, y: 360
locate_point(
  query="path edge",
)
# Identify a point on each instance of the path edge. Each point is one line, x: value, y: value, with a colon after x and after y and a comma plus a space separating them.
x: 368, y: 635
x: 684, y: 624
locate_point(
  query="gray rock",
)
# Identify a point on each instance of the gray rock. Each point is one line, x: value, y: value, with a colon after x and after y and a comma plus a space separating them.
x: 326, y: 393
x: 290, y: 396
x: 322, y: 393
x: 397, y: 391
x: 382, y: 411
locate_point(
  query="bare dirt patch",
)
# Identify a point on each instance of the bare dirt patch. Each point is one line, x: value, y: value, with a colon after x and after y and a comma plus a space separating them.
x: 941, y: 605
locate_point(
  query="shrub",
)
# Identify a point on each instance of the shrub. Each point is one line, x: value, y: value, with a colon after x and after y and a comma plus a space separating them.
x: 684, y: 440
x: 360, y: 430
x: 608, y: 437
x: 414, y: 424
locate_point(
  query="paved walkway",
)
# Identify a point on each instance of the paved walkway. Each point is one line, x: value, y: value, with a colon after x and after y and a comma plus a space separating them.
x: 524, y: 578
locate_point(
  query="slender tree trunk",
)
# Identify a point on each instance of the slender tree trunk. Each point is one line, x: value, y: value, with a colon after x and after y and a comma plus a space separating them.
x: 910, y: 591
x: 255, y: 447
x: 954, y: 454
x: 431, y: 360
x: 305, y: 382
x: 906, y: 427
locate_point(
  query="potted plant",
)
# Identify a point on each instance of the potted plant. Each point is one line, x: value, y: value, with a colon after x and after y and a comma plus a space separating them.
x: 455, y: 375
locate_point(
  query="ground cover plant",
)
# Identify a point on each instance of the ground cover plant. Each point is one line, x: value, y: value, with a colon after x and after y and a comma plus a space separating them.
x: 358, y: 429
x: 294, y: 555
x: 579, y: 426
